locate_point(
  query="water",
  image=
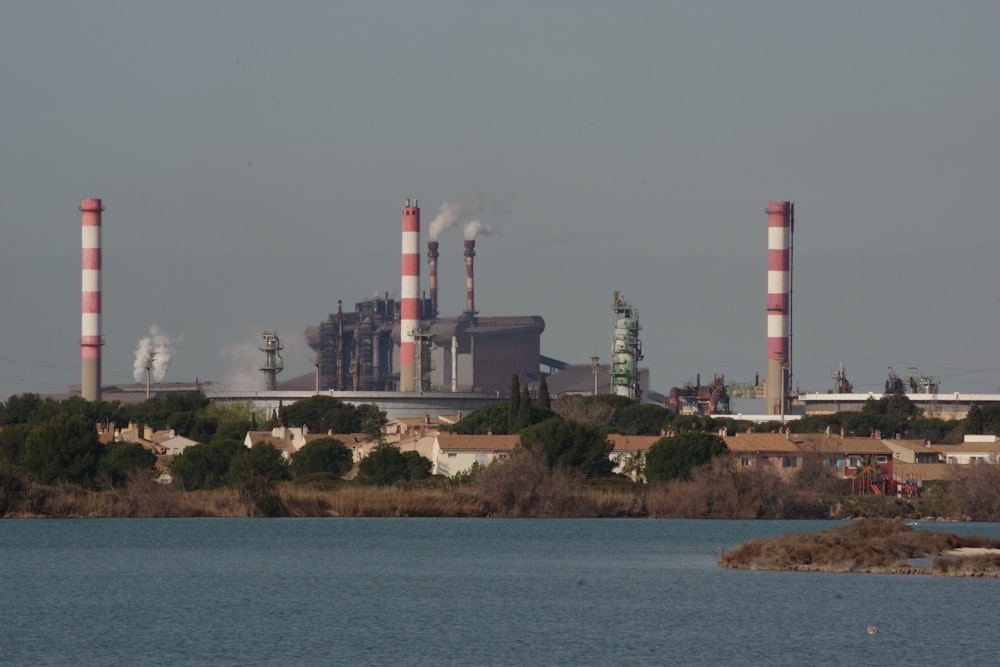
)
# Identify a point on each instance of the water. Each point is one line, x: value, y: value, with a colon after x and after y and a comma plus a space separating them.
x: 461, y: 592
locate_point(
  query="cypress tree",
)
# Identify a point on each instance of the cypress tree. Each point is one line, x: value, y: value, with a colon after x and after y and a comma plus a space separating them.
x: 543, y: 394
x: 524, y: 413
x: 513, y: 404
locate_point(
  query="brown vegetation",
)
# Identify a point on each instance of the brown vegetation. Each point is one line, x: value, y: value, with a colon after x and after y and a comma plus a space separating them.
x: 522, y: 486
x: 869, y: 545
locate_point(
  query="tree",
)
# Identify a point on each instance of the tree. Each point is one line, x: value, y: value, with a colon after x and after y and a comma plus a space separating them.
x: 263, y: 460
x: 65, y: 449
x: 417, y: 466
x: 634, y: 466
x: 121, y: 459
x: 206, y: 466
x: 493, y: 419
x: 12, y: 440
x: 570, y: 444
x: 323, y: 455
x: 674, y: 457
x: 322, y: 414
x: 974, y: 420
x: 513, y: 404
x: 490, y: 419
x: 386, y: 465
x: 524, y: 410
x: 544, y: 401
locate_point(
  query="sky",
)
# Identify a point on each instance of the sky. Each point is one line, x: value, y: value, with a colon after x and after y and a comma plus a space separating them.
x: 253, y: 158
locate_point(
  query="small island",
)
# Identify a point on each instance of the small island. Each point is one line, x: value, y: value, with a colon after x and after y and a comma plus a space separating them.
x: 880, y: 546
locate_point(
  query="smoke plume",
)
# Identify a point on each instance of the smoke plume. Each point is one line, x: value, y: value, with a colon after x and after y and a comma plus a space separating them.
x: 452, y: 213
x: 476, y: 228
x: 157, y: 349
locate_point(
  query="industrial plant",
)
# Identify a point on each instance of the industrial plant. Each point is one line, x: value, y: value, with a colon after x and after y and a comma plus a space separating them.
x: 408, y: 346
x: 411, y: 360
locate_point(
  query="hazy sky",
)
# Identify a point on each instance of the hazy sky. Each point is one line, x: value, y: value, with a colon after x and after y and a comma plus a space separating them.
x: 253, y: 158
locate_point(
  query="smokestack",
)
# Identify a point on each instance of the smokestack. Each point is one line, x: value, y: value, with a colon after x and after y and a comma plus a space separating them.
x: 432, y: 275
x: 409, y: 302
x: 779, y: 301
x: 91, y: 339
x: 470, y: 292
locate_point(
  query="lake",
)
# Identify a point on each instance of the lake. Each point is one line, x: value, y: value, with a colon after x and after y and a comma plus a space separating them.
x: 462, y: 592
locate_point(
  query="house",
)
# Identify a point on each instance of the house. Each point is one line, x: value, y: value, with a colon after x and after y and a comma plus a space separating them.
x: 289, y: 440
x: 629, y: 450
x: 975, y: 449
x: 173, y: 444
x: 776, y: 453
x: 452, y: 454
x: 913, y: 451
x: 847, y: 453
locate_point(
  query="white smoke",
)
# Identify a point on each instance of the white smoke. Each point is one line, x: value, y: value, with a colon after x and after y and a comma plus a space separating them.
x: 451, y: 214
x: 156, y: 349
x: 476, y: 228
x: 244, y: 361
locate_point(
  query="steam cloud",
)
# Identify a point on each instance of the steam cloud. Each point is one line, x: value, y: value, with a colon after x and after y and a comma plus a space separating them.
x: 158, y: 348
x: 451, y: 213
x: 476, y: 228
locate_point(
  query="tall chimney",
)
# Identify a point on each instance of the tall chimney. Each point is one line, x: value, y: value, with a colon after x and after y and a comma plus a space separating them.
x: 91, y: 339
x: 780, y: 221
x: 470, y: 292
x: 432, y: 275
x: 409, y: 302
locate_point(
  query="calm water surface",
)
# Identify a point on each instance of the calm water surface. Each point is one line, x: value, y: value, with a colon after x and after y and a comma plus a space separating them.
x: 461, y: 592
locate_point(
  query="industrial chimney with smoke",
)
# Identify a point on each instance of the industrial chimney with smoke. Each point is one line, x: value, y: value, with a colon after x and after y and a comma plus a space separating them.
x: 470, y: 289
x: 409, y: 302
x: 91, y: 339
x: 432, y: 275
x: 780, y: 226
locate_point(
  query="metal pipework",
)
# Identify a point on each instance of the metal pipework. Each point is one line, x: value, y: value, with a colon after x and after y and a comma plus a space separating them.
x: 432, y: 276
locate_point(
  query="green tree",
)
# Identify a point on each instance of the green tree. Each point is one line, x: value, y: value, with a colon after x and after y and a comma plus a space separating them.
x: 642, y: 419
x: 974, y: 420
x: 490, y: 419
x: 205, y: 466
x: 674, y: 457
x: 323, y: 455
x: 12, y: 440
x: 19, y: 408
x: 417, y: 466
x: 544, y: 400
x: 121, y: 459
x: 565, y: 443
x: 513, y: 404
x: 65, y: 449
x: 386, y: 465
x: 263, y: 460
x: 323, y: 414
x: 524, y: 410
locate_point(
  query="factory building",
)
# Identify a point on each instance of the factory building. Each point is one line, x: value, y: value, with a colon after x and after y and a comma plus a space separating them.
x: 385, y: 345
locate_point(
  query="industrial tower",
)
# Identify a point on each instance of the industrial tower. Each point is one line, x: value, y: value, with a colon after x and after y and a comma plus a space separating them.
x: 780, y: 226
x: 271, y: 347
x: 626, y: 350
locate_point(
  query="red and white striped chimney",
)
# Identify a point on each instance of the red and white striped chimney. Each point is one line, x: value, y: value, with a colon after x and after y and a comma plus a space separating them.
x: 91, y: 339
x: 432, y: 275
x: 470, y: 289
x: 780, y: 221
x: 409, y: 302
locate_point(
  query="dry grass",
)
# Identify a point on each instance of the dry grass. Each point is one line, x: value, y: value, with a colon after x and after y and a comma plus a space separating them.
x: 868, y: 545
